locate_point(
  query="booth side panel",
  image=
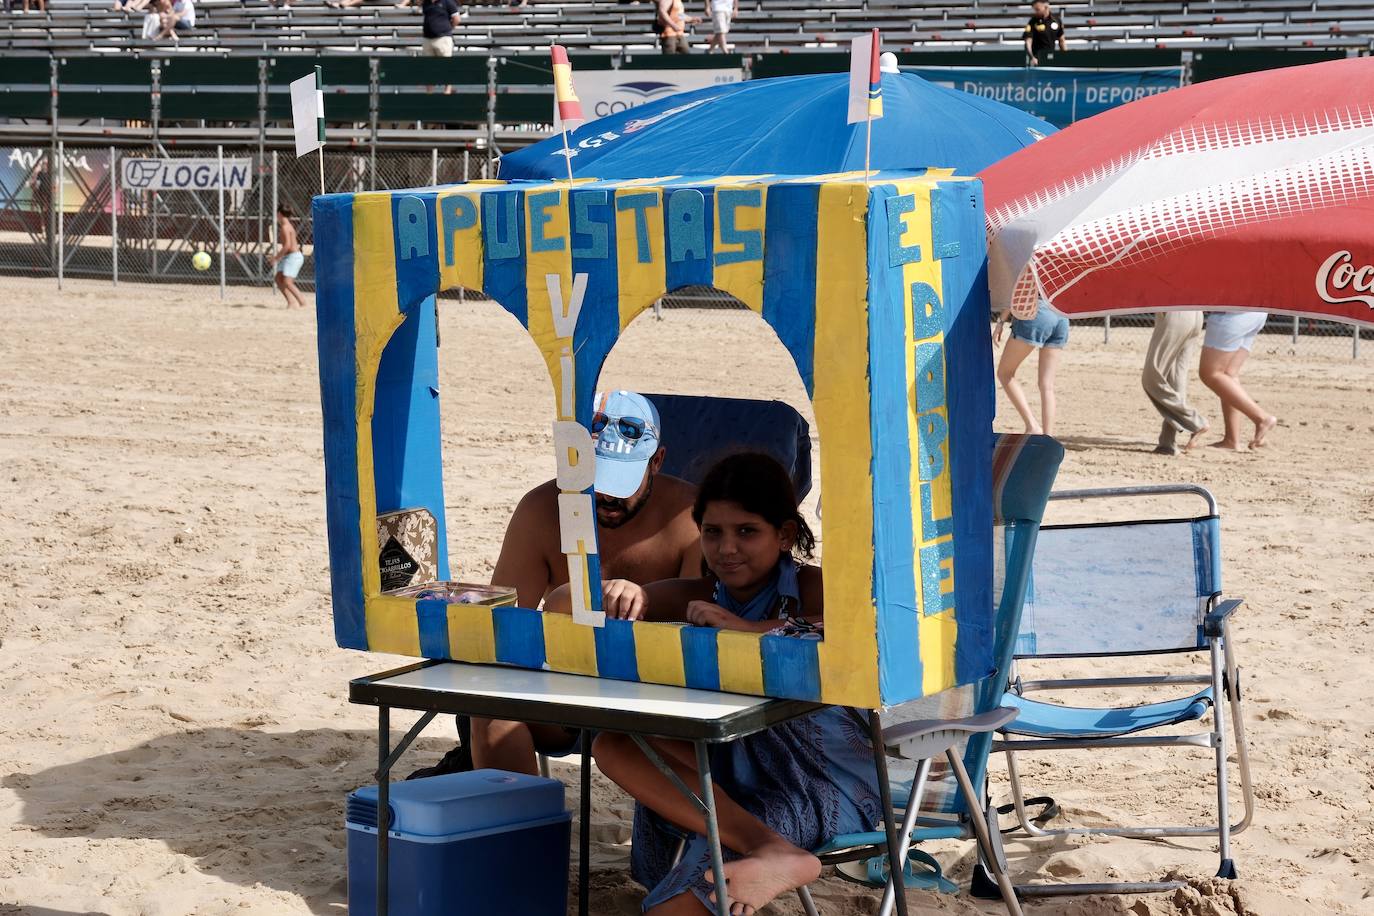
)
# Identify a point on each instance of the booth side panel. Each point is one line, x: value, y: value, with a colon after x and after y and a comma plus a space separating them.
x: 900, y: 643
x: 849, y: 654
x: 957, y: 211
x: 333, y: 220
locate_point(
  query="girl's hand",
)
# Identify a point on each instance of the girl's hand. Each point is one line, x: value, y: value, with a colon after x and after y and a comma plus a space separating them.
x: 623, y: 600
x: 997, y: 334
x: 706, y: 614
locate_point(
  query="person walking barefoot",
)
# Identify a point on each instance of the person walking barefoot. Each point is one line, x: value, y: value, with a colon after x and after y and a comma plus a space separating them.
x: 1047, y: 332
x: 1226, y: 345
x: 288, y: 259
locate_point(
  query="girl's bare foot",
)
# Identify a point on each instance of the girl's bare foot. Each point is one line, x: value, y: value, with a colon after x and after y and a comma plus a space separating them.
x: 1262, y: 429
x: 1033, y: 429
x: 1193, y: 439
x: 1225, y: 443
x: 772, y: 869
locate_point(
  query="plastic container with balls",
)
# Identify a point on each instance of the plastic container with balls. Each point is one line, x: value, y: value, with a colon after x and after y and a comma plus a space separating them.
x: 458, y: 593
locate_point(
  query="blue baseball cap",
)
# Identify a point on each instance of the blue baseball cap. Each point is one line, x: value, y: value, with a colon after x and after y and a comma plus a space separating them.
x: 625, y: 428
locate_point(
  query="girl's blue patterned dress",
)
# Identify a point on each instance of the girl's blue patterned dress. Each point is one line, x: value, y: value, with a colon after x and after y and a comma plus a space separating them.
x: 809, y: 779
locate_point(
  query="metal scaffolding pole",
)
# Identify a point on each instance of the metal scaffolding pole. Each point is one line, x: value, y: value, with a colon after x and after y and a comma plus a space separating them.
x: 114, y: 215
x: 219, y: 155
x: 57, y: 202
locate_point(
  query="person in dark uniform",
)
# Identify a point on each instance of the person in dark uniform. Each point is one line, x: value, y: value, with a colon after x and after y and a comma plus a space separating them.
x: 1044, y: 31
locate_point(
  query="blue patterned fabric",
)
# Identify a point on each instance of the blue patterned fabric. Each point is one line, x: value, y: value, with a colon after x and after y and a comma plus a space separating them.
x: 809, y: 779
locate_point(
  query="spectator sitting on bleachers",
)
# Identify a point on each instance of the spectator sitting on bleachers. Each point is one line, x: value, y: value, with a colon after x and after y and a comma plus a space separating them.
x: 1043, y: 31
x: 152, y: 20
x: 670, y: 21
x: 130, y: 6
x: 41, y: 4
x: 180, y: 18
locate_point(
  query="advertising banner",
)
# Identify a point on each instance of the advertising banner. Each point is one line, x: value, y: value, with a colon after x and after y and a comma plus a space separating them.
x: 26, y: 183
x: 186, y: 174
x: 605, y: 92
x: 1059, y: 95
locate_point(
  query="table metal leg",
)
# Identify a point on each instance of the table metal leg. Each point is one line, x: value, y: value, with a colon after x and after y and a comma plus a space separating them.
x: 383, y: 807
x: 708, y: 796
x: 894, y: 845
x: 584, y: 843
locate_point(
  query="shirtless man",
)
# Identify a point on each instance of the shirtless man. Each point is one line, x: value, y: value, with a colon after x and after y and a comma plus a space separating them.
x: 288, y: 259
x: 645, y: 533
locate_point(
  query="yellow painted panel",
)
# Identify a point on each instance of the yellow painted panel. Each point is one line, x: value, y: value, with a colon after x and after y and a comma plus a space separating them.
x: 392, y: 624
x: 569, y: 646
x: 538, y: 266
x: 640, y: 284
x: 466, y: 269
x: 471, y: 633
x: 849, y: 654
x: 741, y: 662
x: 741, y: 279
x: 376, y: 315
x: 658, y: 653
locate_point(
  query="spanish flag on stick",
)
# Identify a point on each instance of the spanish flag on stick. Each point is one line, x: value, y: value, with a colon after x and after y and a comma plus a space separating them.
x: 865, y: 87
x: 569, y: 107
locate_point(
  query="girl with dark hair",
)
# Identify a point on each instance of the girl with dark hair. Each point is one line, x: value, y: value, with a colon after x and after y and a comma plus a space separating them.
x: 780, y: 792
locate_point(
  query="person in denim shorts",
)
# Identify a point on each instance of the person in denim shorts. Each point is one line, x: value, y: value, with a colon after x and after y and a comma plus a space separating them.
x: 1047, y: 332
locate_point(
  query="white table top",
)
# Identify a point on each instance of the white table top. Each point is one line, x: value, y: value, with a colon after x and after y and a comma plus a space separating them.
x: 575, y: 690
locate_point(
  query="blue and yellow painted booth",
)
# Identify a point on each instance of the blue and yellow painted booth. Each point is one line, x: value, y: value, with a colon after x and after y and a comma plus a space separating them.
x: 878, y: 292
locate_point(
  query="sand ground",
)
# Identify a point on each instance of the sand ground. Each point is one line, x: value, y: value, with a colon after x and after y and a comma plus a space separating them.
x: 177, y: 737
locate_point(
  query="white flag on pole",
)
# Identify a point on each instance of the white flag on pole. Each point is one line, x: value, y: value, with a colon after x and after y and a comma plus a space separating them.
x: 307, y: 113
x: 861, y: 52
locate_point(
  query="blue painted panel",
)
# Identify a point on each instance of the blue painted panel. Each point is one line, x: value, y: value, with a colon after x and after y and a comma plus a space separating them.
x: 789, y: 273
x: 971, y: 392
x: 414, y: 226
x: 687, y: 250
x: 615, y: 651
x: 519, y: 636
x: 598, y: 325
x: 433, y: 620
x: 332, y: 216
x: 503, y: 251
x: 894, y: 572
x: 791, y: 668
x: 700, y: 661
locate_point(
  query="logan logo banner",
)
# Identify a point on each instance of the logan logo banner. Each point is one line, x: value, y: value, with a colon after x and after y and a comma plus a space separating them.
x: 605, y: 92
x: 186, y: 174
x: 1059, y: 95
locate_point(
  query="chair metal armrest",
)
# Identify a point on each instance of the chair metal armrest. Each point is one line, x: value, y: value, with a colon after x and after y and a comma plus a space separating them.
x: 1213, y: 623
x: 907, y: 732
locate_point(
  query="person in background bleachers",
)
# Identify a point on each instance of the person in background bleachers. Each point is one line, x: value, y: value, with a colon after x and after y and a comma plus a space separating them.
x: 178, y: 19
x: 1043, y: 31
x: 441, y: 17
x: 152, y: 19
x: 41, y: 4
x: 670, y: 21
x: 130, y: 6
x: 721, y: 12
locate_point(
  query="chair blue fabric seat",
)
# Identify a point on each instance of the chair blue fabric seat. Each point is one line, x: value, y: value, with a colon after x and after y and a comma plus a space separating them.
x: 1051, y: 720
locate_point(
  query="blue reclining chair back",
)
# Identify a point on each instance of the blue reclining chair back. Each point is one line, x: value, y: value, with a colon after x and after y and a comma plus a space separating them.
x: 1121, y: 588
x: 698, y: 431
x: 1024, y: 469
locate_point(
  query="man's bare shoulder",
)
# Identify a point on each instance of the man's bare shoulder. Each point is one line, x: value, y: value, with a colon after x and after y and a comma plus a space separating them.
x: 540, y: 503
x: 678, y: 495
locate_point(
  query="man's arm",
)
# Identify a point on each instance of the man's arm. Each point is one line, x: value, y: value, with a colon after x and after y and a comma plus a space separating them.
x: 1062, y: 45
x: 1026, y: 36
x: 522, y: 564
x: 455, y: 16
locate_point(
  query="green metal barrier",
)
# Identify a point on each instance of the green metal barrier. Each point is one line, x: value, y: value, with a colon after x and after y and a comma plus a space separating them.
x: 347, y: 82
x: 117, y: 88
x: 24, y: 87
x: 1211, y: 65
x: 436, y: 90
x: 210, y: 88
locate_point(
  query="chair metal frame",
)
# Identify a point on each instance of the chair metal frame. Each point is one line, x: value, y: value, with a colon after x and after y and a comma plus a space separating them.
x: 1224, y: 681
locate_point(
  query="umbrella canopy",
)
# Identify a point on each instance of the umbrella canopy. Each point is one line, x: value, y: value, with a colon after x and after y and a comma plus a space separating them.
x: 1254, y: 192
x: 792, y: 125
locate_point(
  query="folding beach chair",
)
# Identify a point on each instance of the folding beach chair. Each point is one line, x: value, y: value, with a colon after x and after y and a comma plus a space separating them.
x: 1123, y: 589
x: 948, y: 800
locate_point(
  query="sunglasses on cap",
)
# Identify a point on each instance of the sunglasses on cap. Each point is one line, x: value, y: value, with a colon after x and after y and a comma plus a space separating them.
x: 631, y: 428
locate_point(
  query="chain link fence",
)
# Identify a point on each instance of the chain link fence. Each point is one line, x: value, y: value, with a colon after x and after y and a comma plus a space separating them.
x: 76, y: 220
x: 103, y: 230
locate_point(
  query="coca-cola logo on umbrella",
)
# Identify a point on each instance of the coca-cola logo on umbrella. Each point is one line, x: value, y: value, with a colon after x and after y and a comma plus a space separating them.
x: 1339, y: 274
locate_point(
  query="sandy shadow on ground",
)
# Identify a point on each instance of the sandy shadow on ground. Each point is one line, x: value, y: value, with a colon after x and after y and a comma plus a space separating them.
x: 248, y: 806
x: 10, y: 909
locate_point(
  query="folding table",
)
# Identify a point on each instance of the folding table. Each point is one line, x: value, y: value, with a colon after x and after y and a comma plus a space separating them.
x: 587, y: 704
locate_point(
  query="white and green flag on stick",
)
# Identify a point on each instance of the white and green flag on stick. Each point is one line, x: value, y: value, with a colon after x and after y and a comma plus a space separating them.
x: 307, y: 112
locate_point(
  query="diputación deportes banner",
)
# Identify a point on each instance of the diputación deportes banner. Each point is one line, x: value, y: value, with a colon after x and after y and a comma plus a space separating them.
x: 1059, y: 95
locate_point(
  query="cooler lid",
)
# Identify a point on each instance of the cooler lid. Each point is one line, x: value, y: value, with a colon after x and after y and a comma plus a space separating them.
x: 463, y: 802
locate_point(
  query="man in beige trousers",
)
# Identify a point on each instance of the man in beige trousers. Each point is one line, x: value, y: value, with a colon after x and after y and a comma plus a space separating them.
x: 1168, y: 360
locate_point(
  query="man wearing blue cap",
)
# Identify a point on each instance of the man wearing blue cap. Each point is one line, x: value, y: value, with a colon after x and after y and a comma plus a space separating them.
x: 645, y: 533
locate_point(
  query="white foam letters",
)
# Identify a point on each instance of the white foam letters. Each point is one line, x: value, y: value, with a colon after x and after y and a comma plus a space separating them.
x: 576, y: 457
x: 577, y: 523
x: 565, y: 319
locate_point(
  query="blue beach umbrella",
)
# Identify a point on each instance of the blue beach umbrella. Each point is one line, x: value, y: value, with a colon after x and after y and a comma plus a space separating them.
x: 788, y: 125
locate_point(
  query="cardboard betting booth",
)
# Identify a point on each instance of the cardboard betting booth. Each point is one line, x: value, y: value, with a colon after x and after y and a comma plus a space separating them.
x: 879, y: 294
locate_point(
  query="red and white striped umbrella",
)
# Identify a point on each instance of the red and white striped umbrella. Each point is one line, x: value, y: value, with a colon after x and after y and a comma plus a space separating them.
x: 1254, y: 192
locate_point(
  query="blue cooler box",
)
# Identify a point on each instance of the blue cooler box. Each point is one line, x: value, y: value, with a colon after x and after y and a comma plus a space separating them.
x: 479, y: 843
